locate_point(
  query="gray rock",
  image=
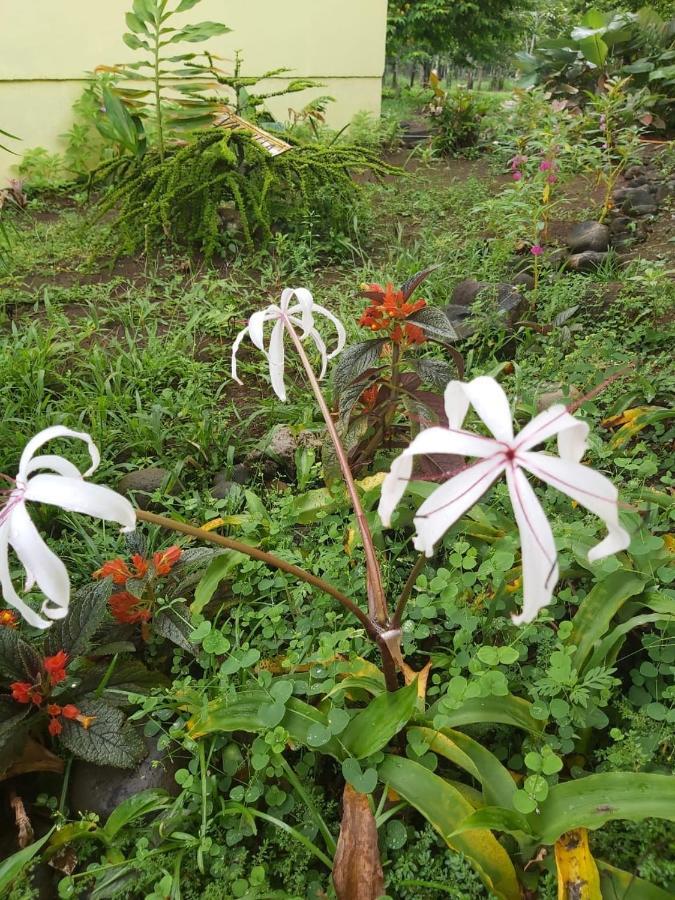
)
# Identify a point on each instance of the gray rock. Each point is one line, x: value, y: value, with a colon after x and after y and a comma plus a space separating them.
x: 282, y: 442
x: 662, y: 192
x: 618, y: 224
x: 523, y: 279
x: 222, y: 487
x: 619, y: 194
x: 588, y: 236
x: 588, y: 261
x: 100, y: 789
x: 556, y: 258
x: 466, y: 291
x: 634, y: 197
x: 241, y: 474
x: 143, y: 482
x: 633, y: 172
x: 645, y: 209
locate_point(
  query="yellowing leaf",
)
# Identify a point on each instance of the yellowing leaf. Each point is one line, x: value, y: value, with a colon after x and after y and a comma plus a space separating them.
x: 213, y: 524
x: 350, y: 540
x: 578, y: 874
x: 371, y: 481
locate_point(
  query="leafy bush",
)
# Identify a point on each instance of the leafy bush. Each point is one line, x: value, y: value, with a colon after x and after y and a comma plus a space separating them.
x: 457, y: 121
x: 224, y: 188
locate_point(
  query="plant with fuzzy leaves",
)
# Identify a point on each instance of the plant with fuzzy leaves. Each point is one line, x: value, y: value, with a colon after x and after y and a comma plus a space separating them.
x: 72, y: 686
x: 370, y: 397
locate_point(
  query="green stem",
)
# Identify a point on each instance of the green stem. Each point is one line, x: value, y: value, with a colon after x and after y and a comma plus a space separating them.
x: 307, y: 800
x: 204, y: 825
x: 407, y: 590
x: 106, y: 676
x: 64, y: 785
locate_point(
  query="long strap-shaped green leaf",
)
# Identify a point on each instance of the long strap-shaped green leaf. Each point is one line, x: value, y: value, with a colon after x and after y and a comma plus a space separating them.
x: 498, y: 785
x: 508, y: 710
x: 445, y: 807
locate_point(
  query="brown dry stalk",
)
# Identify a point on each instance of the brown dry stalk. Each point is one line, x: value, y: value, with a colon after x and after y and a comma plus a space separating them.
x: 357, y: 870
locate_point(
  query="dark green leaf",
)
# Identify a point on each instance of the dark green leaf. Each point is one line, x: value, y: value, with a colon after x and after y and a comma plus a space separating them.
x: 592, y: 801
x: 173, y: 623
x: 12, y: 867
x: 109, y: 741
x: 434, y: 371
x: 408, y: 287
x: 435, y: 324
x: 354, y: 361
x: 18, y: 660
x: 150, y: 800
x: 219, y: 568
x: 87, y: 610
x: 371, y: 729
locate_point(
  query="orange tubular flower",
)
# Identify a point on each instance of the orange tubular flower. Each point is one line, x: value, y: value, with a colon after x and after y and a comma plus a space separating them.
x: 8, y: 619
x: 387, y: 308
x: 128, y: 609
x: 54, y: 709
x: 140, y: 565
x: 368, y: 398
x: 21, y: 691
x: 54, y: 727
x: 70, y: 711
x: 55, y: 666
x: 86, y: 721
x: 116, y: 568
x: 165, y: 560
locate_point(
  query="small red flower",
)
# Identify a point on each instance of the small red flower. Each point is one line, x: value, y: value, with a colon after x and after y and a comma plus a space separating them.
x: 140, y: 565
x: 55, y: 666
x: 8, y: 619
x: 36, y: 698
x: 54, y: 727
x: 54, y: 709
x: 70, y: 711
x: 389, y: 306
x: 128, y: 609
x: 368, y: 398
x: 116, y: 568
x: 165, y: 560
x: 414, y: 334
x: 21, y: 691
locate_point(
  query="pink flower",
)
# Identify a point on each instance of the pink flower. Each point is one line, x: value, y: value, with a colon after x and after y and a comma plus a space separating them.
x: 536, y: 249
x: 552, y: 179
x: 517, y: 176
x: 545, y: 164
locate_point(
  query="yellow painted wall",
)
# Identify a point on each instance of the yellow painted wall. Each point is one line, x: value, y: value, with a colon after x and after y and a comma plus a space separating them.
x: 46, y: 47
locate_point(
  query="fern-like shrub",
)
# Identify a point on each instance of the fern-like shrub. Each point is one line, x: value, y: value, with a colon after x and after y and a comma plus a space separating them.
x: 224, y: 186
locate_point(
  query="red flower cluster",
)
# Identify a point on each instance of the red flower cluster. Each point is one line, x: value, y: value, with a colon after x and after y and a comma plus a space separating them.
x: 8, y: 619
x: 69, y: 711
x: 127, y: 608
x: 387, y: 309
x: 54, y: 672
x: 368, y: 398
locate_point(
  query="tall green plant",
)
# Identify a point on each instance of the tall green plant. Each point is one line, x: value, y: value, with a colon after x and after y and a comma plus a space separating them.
x: 151, y: 30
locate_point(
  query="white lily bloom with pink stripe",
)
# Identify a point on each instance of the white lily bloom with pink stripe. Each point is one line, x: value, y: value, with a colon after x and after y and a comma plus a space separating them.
x: 54, y: 480
x: 512, y: 456
x: 301, y: 313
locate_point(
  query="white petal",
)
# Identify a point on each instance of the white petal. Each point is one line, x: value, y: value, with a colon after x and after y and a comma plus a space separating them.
x: 572, y: 433
x: 321, y: 347
x: 339, y: 327
x: 276, y: 360
x: 256, y: 325
x: 56, y: 463
x: 488, y: 399
x: 450, y: 501
x: 42, y: 565
x: 48, y: 434
x: 235, y: 347
x: 81, y: 496
x: 431, y: 440
x: 456, y: 403
x: 305, y: 306
x: 539, y: 556
x: 9, y: 594
x: 587, y: 487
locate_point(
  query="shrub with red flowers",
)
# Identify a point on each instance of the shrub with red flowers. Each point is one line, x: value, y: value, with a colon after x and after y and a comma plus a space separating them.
x: 378, y: 383
x: 134, y: 604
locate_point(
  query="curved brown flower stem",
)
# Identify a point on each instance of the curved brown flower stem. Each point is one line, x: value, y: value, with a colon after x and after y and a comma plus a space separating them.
x: 598, y: 389
x: 268, y: 558
x: 377, y: 604
x: 407, y: 590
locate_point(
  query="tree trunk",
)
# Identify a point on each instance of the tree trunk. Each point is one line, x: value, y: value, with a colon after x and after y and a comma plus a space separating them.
x: 413, y: 72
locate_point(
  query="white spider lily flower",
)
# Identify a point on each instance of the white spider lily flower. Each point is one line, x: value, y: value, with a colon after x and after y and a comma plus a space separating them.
x: 300, y: 314
x: 512, y: 456
x: 60, y: 483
